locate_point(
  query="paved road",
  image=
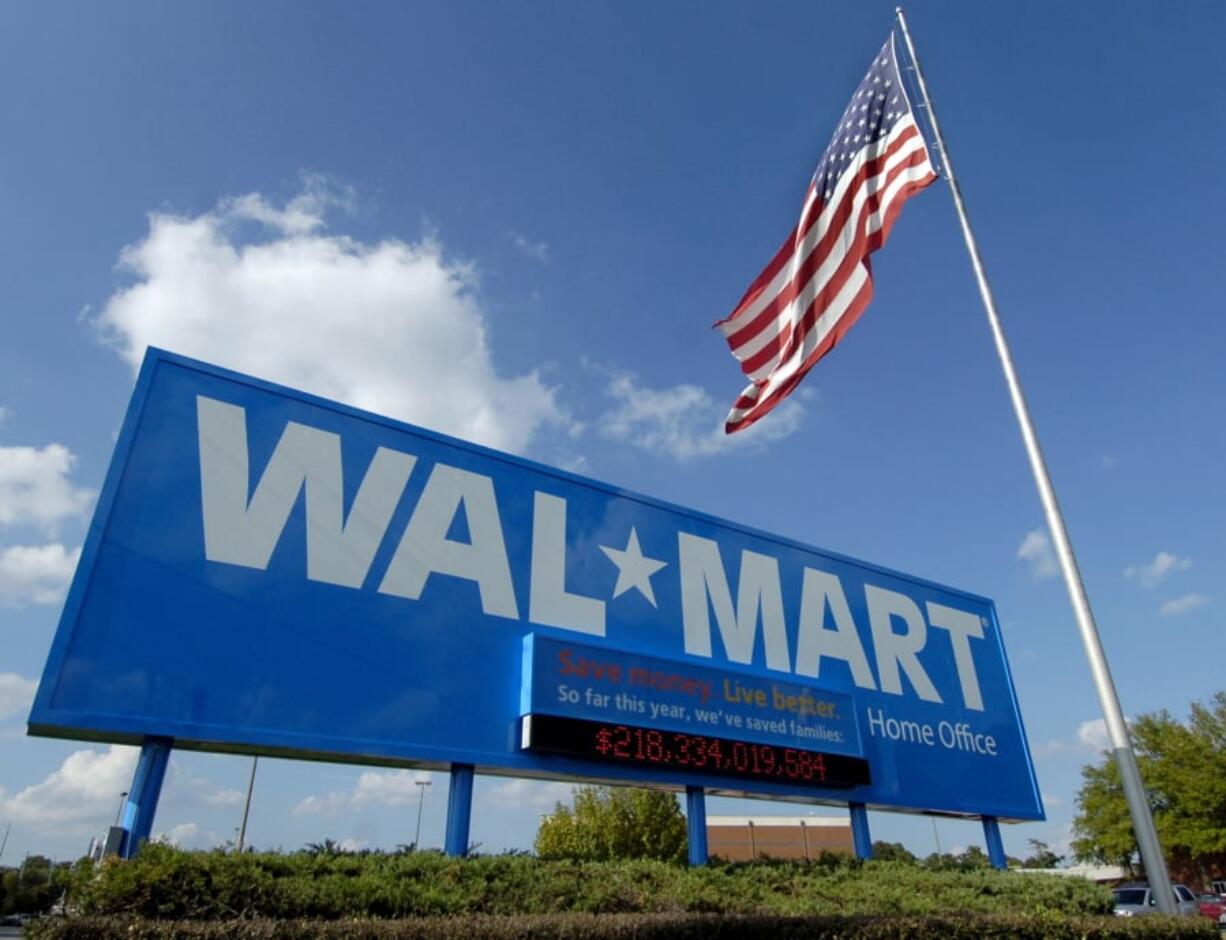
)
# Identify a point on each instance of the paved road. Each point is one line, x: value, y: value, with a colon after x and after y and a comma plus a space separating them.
x: 10, y: 931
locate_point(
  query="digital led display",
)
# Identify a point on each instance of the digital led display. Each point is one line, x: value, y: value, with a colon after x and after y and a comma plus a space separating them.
x: 726, y: 757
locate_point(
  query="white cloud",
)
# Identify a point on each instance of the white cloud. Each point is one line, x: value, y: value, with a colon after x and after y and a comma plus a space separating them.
x: 535, y: 795
x: 388, y: 788
x: 329, y: 803
x: 537, y: 251
x: 1184, y: 605
x: 685, y: 422
x: 353, y: 845
x: 179, y: 835
x: 1052, y: 802
x: 1092, y: 735
x: 373, y: 788
x: 1153, y: 573
x: 85, y: 788
x: 35, y: 574
x: 1050, y: 748
x: 16, y: 694
x: 392, y: 327
x: 186, y: 785
x: 34, y: 486
x: 302, y: 215
x: 1036, y: 551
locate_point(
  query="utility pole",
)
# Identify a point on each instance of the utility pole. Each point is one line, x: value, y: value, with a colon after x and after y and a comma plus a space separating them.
x: 5, y: 842
x: 421, y: 798
x: 242, y: 832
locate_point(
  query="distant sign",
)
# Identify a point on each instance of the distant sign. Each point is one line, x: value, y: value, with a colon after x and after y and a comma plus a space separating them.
x: 270, y: 571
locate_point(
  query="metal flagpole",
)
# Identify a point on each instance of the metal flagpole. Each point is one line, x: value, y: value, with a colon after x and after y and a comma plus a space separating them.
x: 1117, y: 730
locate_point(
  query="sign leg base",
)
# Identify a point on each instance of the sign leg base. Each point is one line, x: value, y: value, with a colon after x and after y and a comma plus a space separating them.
x: 459, y: 809
x: 142, y: 802
x: 696, y: 824
x: 861, y: 839
x: 996, y: 847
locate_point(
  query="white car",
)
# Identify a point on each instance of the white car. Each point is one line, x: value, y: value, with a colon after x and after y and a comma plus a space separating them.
x: 1136, y: 900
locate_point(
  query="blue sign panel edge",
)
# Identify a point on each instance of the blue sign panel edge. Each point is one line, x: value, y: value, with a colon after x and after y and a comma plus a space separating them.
x: 41, y: 711
x: 46, y: 720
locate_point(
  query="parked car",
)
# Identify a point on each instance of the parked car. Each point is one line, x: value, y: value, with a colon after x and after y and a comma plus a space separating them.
x: 1136, y: 900
x: 1213, y: 906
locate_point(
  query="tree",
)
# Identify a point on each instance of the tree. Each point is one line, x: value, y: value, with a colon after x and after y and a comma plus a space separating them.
x: 1184, y: 770
x: 893, y: 852
x: 972, y: 858
x: 327, y: 847
x: 1041, y: 856
x: 1102, y: 828
x: 34, y: 887
x: 616, y: 822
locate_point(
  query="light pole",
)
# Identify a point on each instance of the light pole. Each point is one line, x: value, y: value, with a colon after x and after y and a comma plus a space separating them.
x: 242, y: 833
x: 421, y: 798
x: 119, y: 812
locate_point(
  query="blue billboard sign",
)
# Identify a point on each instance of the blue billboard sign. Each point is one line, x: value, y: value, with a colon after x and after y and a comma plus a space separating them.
x: 271, y: 572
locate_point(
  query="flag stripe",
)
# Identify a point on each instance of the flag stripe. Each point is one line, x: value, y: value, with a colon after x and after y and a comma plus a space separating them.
x: 854, y: 246
x: 820, y: 281
x: 824, y: 268
x: 795, y: 251
x: 825, y: 331
x: 817, y: 240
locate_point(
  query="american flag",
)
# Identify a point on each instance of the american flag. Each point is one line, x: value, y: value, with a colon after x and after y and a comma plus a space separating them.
x: 820, y: 281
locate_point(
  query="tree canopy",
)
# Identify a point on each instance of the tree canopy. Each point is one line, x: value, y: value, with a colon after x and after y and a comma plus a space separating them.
x: 1183, y: 766
x: 34, y: 887
x: 1041, y: 856
x: 619, y: 822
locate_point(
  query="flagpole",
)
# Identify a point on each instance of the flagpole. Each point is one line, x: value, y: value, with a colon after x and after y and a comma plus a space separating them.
x: 1117, y: 729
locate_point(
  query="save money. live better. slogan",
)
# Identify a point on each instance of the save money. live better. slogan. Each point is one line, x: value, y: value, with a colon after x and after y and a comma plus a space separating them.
x: 580, y: 681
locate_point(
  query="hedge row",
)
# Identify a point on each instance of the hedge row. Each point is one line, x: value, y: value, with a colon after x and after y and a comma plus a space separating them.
x: 636, y: 926
x: 174, y: 885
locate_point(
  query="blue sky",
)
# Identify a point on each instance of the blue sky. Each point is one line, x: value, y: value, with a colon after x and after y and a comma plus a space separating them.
x: 516, y: 222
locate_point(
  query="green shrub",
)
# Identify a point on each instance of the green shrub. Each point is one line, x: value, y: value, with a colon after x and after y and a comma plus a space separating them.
x: 171, y: 884
x: 638, y: 927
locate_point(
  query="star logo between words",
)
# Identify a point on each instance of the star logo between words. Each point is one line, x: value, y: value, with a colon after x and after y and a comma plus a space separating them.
x: 634, y: 570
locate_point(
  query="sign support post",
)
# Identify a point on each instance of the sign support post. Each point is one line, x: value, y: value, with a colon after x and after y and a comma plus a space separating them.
x: 459, y: 809
x: 860, y: 836
x: 142, y: 801
x: 996, y: 848
x: 696, y: 824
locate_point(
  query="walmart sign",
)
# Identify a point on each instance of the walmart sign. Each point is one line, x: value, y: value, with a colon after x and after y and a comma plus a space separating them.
x: 269, y: 570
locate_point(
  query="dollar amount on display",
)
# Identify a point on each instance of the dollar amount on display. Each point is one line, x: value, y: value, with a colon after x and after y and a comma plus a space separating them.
x: 615, y: 743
